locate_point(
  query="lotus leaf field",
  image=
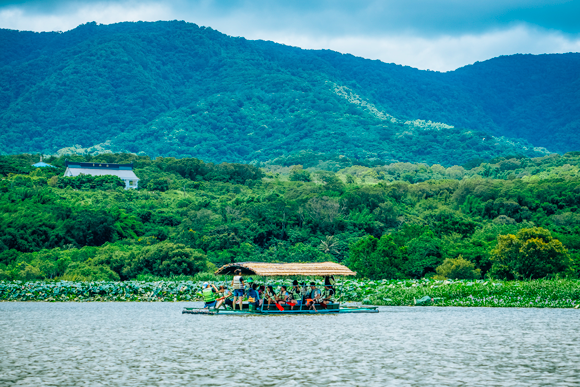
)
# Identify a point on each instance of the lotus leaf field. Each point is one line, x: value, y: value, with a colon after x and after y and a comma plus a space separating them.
x: 485, y: 293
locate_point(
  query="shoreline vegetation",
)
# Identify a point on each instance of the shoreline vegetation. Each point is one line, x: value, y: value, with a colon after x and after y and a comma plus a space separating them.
x: 556, y: 293
x: 512, y: 218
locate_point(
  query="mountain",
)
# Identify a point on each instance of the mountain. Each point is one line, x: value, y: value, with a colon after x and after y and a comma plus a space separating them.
x: 176, y: 89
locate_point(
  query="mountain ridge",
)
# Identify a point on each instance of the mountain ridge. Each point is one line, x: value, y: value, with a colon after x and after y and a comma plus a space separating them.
x: 176, y: 89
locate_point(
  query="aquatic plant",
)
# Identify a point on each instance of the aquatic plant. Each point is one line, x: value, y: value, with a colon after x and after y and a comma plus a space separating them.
x: 537, y: 294
x: 484, y: 293
x: 100, y: 291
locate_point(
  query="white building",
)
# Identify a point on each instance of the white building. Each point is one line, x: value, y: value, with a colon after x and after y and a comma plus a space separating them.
x: 123, y: 171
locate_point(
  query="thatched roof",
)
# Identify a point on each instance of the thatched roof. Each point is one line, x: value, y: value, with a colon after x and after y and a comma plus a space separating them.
x: 286, y: 269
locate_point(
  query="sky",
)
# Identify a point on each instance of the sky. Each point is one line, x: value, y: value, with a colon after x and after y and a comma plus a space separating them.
x: 439, y: 35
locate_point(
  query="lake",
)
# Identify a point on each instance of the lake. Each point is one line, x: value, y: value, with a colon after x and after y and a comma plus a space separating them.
x: 153, y: 344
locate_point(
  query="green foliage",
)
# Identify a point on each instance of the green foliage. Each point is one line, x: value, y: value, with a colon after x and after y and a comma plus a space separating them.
x: 15, y: 165
x: 424, y: 254
x: 86, y: 182
x: 447, y: 221
x: 376, y: 258
x: 80, y: 271
x: 297, y: 173
x: 384, y: 225
x: 166, y: 259
x: 531, y: 253
x: 160, y: 184
x: 458, y: 268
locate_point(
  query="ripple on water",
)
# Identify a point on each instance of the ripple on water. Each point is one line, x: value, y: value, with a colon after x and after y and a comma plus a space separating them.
x: 123, y: 344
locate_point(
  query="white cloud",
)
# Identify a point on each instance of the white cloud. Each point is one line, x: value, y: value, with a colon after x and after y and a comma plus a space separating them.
x: 104, y: 13
x: 442, y: 53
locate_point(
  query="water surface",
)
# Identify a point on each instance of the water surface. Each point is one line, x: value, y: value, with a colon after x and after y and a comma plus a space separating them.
x: 153, y: 344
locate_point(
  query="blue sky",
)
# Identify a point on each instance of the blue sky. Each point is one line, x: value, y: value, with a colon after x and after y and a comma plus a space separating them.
x: 438, y: 35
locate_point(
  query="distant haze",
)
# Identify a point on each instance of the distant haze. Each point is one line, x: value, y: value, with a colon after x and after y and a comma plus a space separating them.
x: 438, y: 35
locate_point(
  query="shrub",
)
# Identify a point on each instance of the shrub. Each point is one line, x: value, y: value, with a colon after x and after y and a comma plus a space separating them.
x: 80, y: 271
x: 29, y: 272
x: 458, y: 268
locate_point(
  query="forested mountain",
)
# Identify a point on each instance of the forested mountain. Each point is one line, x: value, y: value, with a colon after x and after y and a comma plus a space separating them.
x: 175, y: 89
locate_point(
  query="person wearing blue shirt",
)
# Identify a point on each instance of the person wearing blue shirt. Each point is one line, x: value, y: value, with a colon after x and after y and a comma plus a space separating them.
x: 254, y: 295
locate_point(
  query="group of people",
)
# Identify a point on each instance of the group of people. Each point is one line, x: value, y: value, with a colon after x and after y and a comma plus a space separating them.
x: 260, y: 295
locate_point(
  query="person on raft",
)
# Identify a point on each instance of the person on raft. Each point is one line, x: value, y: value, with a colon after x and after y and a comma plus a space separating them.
x: 282, y: 297
x: 327, y: 296
x: 209, y: 295
x: 253, y: 295
x: 296, y: 293
x: 315, y: 295
x: 225, y: 299
x: 305, y: 292
x: 270, y: 295
x: 238, y: 286
x: 329, y: 281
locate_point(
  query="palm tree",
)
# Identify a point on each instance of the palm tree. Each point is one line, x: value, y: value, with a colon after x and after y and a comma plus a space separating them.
x: 329, y: 245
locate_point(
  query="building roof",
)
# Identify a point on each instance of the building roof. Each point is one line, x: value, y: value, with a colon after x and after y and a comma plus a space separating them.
x: 108, y: 166
x: 287, y: 269
x: 123, y: 174
x: 42, y: 164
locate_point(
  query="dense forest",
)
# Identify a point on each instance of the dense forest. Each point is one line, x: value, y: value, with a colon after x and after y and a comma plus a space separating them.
x: 175, y: 89
x: 508, y: 217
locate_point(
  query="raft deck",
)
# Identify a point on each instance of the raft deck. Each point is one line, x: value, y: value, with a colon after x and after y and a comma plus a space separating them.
x: 272, y: 309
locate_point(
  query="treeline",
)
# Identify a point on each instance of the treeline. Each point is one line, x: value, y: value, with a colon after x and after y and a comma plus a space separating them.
x: 190, y: 216
x: 154, y: 171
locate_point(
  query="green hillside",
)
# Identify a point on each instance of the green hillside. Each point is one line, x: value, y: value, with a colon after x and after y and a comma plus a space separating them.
x: 175, y: 89
x: 510, y: 218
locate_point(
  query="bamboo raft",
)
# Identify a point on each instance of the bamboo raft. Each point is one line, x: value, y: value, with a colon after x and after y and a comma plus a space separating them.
x: 317, y: 269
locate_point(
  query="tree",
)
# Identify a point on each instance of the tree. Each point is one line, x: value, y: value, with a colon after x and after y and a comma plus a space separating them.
x: 166, y: 259
x: 297, y: 173
x: 458, y: 268
x: 531, y: 253
x: 88, y: 227
x: 387, y: 214
x: 329, y: 245
x: 424, y: 255
x: 160, y: 184
x: 323, y: 211
x: 376, y: 258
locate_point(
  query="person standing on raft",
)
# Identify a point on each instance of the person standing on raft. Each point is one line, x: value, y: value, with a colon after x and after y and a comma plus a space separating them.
x: 238, y: 286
